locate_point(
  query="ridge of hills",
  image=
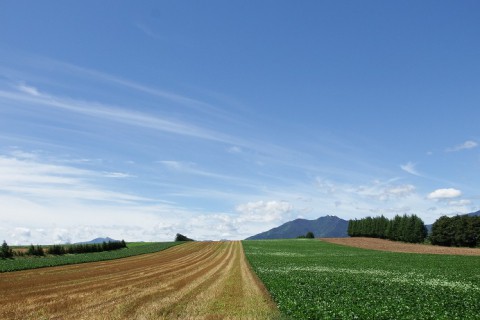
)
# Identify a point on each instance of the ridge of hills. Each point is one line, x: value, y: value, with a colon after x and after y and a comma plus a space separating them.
x: 324, y: 227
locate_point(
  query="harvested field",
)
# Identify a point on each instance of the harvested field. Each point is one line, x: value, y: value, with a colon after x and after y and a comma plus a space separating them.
x: 394, y: 246
x: 198, y: 280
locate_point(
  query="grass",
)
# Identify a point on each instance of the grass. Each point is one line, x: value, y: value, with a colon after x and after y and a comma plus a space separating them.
x: 23, y: 263
x: 319, y: 280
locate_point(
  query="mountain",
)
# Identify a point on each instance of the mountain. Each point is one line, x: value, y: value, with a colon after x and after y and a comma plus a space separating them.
x: 323, y: 227
x: 473, y: 214
x: 98, y: 240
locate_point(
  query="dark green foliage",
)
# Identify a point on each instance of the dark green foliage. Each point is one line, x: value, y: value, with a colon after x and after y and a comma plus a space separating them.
x: 401, y: 228
x: 181, y: 237
x: 57, y: 249
x: 319, y: 280
x: 87, y: 248
x: 459, y: 231
x: 22, y: 263
x: 310, y: 235
x: 6, y: 252
x: 35, y: 251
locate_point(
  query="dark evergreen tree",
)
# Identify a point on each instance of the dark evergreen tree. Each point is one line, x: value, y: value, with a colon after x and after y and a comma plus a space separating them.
x: 460, y: 231
x: 400, y: 228
x: 181, y: 237
x: 6, y: 252
x: 310, y: 235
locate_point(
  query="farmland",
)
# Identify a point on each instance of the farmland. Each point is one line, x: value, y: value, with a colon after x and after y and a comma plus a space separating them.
x: 397, y: 246
x: 50, y: 261
x: 320, y: 280
x: 197, y: 280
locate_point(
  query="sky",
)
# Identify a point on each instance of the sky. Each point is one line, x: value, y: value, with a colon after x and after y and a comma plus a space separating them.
x: 223, y: 119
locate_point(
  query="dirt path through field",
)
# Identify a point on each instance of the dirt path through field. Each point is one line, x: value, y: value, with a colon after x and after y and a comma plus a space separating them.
x: 395, y: 246
x: 199, y: 280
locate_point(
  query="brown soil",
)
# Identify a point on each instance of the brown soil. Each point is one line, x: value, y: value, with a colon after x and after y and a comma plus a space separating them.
x: 394, y: 246
x: 199, y: 280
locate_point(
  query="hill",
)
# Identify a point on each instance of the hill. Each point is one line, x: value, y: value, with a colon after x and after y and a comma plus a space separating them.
x: 98, y: 240
x: 323, y: 227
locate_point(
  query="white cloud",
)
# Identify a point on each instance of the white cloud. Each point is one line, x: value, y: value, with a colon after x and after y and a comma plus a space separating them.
x: 410, y: 168
x: 400, y: 191
x: 20, y: 235
x: 263, y: 211
x: 384, y: 191
x: 463, y: 202
x: 469, y: 144
x: 35, y: 179
x: 61, y: 235
x: 448, y: 193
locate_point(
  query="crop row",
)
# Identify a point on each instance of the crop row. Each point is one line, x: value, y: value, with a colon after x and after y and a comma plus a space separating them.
x: 50, y: 261
x: 318, y: 280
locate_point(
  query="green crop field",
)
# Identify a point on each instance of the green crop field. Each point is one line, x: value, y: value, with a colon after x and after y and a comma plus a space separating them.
x: 23, y: 263
x: 310, y: 279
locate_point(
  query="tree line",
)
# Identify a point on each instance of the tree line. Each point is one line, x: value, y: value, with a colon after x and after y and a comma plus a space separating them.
x: 401, y: 228
x: 308, y: 235
x: 458, y: 231
x: 58, y: 249
x: 86, y: 247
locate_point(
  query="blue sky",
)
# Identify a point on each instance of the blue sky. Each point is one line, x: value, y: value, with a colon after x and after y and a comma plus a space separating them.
x: 224, y: 119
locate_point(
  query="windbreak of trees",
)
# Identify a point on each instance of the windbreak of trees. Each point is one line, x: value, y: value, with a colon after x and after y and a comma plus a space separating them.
x: 86, y: 248
x: 458, y: 231
x: 35, y: 251
x: 401, y: 228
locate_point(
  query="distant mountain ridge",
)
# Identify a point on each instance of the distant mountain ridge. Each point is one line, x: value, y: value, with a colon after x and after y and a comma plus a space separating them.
x: 323, y: 227
x: 473, y: 214
x: 98, y: 240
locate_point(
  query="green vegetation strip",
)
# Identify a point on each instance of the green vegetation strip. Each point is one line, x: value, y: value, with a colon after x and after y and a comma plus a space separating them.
x: 310, y: 279
x: 51, y: 261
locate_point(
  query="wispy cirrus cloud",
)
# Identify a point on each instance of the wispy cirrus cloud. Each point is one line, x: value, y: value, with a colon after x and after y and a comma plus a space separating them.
x: 28, y: 89
x: 410, y: 167
x: 35, y: 179
x: 33, y: 96
x: 469, y: 144
x: 192, y: 168
x: 117, y: 175
x: 148, y: 31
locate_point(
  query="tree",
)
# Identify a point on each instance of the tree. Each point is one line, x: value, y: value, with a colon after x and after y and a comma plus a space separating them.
x: 460, y: 231
x: 309, y: 235
x: 6, y: 252
x: 181, y: 237
x: 57, y: 249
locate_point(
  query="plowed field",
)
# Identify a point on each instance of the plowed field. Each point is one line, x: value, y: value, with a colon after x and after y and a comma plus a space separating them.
x: 199, y: 280
x: 395, y: 246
